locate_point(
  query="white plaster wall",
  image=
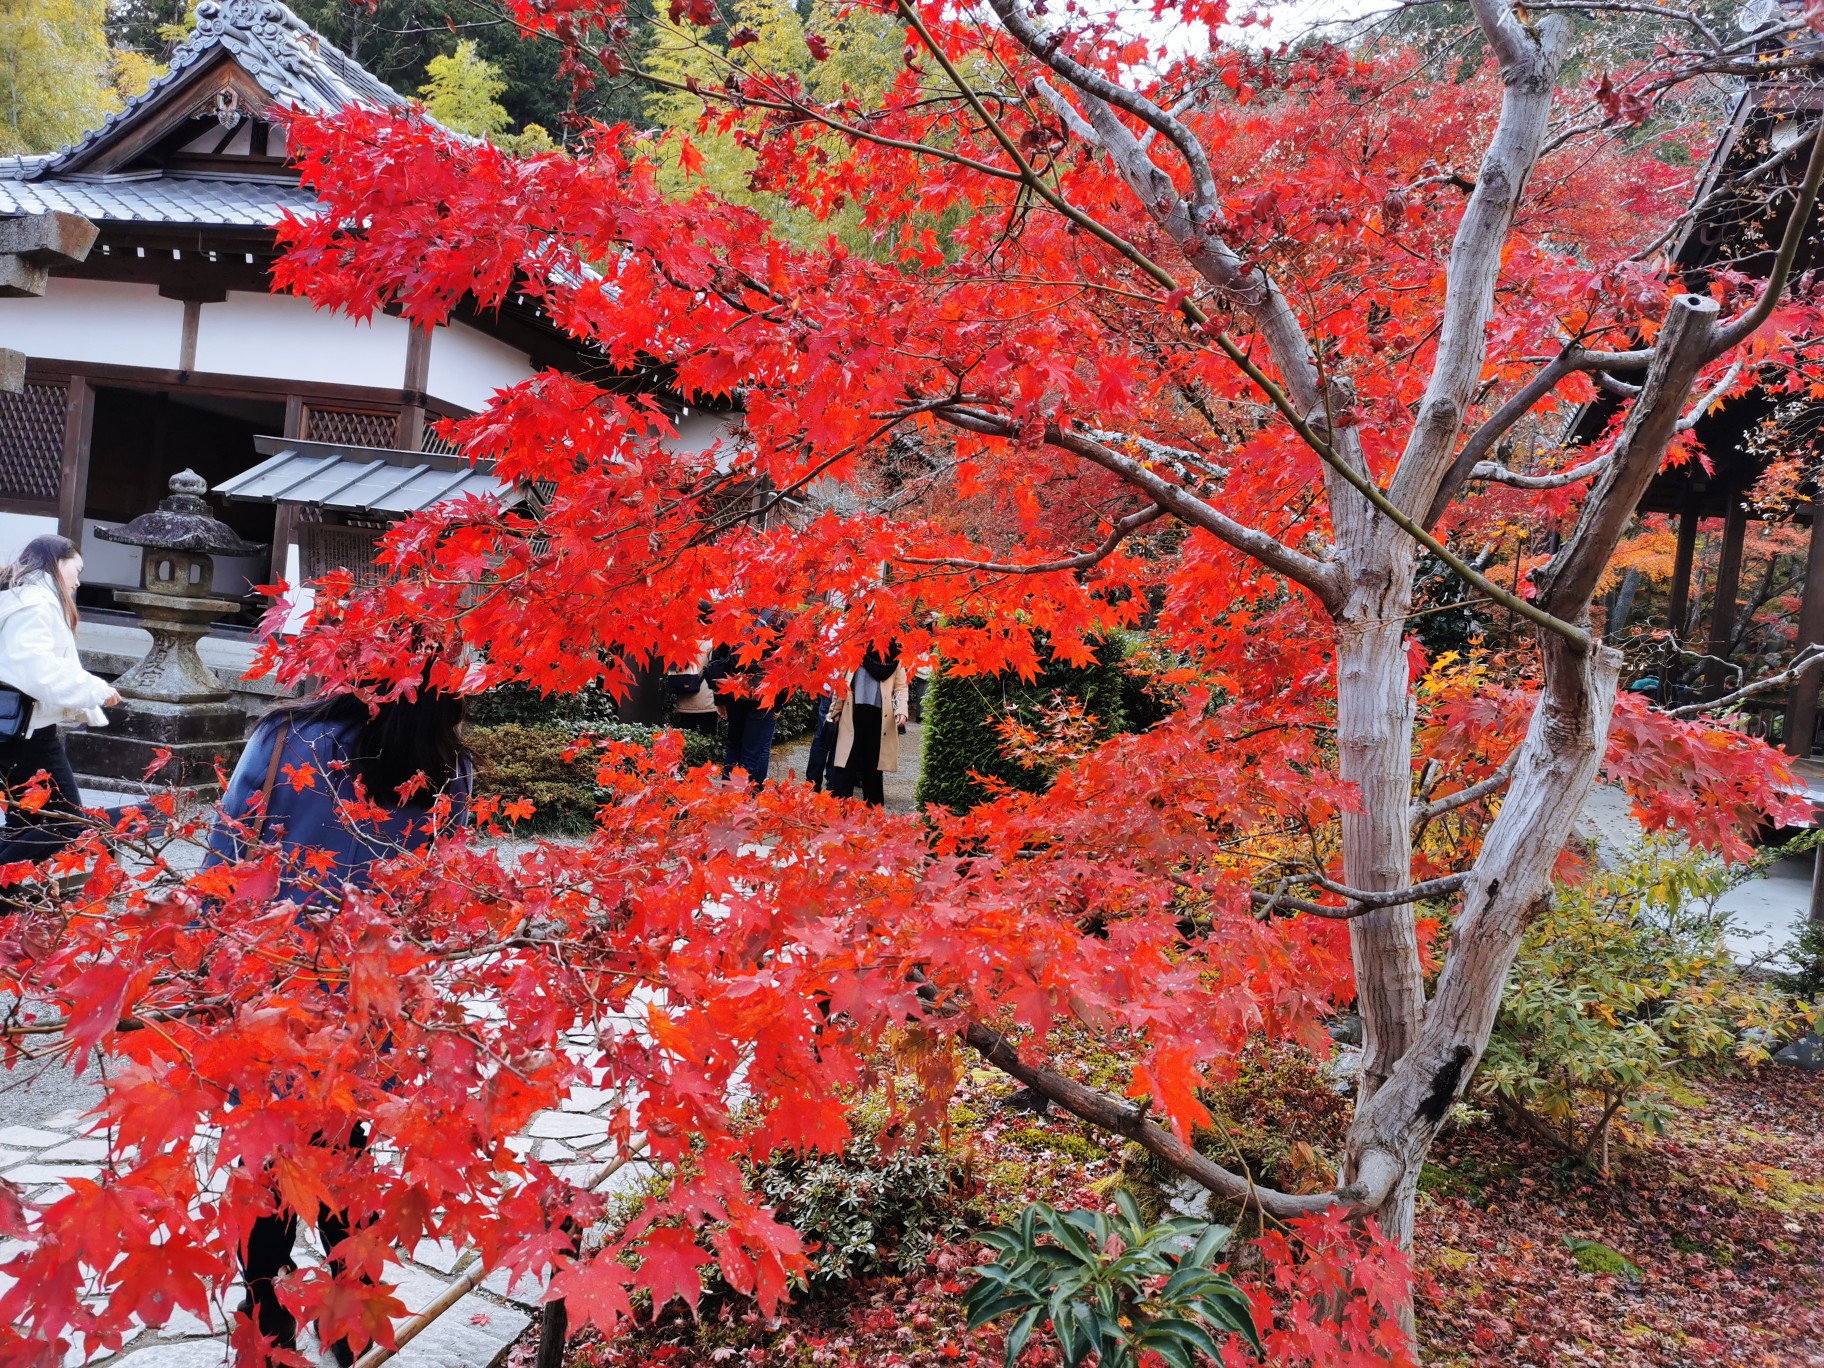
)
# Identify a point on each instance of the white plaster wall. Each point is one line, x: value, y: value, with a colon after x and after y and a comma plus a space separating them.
x: 698, y: 431
x: 467, y: 366
x: 16, y: 529
x: 287, y: 338
x: 107, y: 322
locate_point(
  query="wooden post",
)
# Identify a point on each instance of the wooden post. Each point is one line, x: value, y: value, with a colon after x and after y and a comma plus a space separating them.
x: 1728, y: 585
x: 73, y: 484
x: 1678, y: 605
x: 1802, y: 708
x: 411, y: 398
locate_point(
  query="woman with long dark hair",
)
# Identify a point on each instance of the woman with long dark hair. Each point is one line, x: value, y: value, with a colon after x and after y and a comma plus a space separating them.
x: 869, y: 719
x: 401, y: 756
x: 38, y: 658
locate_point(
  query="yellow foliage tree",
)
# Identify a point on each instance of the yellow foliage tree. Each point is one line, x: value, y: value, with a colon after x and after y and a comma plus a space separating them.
x: 58, y: 77
x: 462, y: 94
x: 766, y: 37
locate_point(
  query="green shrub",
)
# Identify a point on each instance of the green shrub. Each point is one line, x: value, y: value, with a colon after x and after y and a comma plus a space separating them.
x: 793, y: 716
x: 866, y: 1212
x: 519, y: 705
x: 1279, y: 1117
x: 962, y: 712
x: 1620, y: 986
x: 515, y: 760
x: 1118, y: 1288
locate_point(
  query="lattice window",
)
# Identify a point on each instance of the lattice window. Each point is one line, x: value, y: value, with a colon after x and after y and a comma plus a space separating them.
x: 31, y: 443
x: 433, y: 443
x: 351, y: 427
x: 323, y: 547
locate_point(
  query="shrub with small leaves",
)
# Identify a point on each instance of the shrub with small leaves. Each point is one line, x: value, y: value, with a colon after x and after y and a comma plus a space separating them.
x: 547, y: 765
x: 1621, y: 984
x: 1114, y: 1287
x: 870, y: 1210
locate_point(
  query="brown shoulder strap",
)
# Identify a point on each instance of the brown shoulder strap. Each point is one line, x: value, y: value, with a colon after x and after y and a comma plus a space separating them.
x: 258, y: 824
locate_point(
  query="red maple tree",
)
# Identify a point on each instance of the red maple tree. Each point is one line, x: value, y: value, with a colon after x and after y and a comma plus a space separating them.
x: 1216, y: 345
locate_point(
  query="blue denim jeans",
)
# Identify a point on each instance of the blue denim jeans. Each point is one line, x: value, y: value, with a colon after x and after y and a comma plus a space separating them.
x: 749, y: 744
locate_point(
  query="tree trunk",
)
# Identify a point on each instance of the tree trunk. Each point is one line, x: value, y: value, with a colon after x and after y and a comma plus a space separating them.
x: 1558, y: 760
x: 1374, y: 716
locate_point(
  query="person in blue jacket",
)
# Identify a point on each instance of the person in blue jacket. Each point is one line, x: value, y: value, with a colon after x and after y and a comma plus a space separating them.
x: 402, y: 755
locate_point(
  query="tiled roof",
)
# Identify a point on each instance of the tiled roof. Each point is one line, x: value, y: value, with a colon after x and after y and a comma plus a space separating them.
x: 215, y: 201
x: 288, y: 59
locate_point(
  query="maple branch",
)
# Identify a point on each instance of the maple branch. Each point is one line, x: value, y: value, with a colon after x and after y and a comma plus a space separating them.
x: 1483, y: 440
x: 1802, y: 662
x: 1123, y: 1118
x: 1557, y: 479
x: 1683, y: 347
x: 1361, y: 901
x: 1047, y: 49
x: 1425, y: 813
x: 1529, y: 69
x: 1120, y: 532
x: 1315, y: 575
x: 1695, y: 413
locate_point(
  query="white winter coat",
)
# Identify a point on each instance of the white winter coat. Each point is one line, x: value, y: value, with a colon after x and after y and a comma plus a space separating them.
x: 38, y: 657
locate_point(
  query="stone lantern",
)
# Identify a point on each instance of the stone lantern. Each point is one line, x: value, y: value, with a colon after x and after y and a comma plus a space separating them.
x: 170, y: 700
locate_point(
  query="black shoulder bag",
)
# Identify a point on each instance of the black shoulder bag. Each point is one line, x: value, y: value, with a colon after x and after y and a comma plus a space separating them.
x: 15, y: 712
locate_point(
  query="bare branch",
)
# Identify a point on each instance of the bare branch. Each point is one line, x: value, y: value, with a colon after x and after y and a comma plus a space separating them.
x: 1695, y: 413
x: 1683, y: 346
x: 1483, y: 440
x: 1798, y: 226
x: 1802, y: 662
x: 1557, y: 479
x: 1425, y: 813
x: 1124, y: 1118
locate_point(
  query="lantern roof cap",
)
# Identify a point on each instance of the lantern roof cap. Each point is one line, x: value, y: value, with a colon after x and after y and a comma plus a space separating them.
x: 182, y: 522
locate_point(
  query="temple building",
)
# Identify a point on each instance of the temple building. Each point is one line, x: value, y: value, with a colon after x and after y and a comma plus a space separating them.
x: 164, y: 349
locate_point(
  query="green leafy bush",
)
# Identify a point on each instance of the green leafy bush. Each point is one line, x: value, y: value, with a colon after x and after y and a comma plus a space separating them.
x: 962, y: 714
x: 1620, y: 986
x: 865, y: 1211
x: 514, y: 760
x: 793, y: 716
x: 1116, y: 1287
x: 519, y: 705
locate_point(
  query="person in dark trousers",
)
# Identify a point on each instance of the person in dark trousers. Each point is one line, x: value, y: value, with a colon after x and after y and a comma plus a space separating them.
x: 349, y: 748
x: 748, y: 742
x: 38, y: 658
x: 870, y: 717
x: 818, y: 771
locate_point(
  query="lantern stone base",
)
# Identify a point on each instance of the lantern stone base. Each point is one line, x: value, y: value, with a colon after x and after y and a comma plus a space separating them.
x: 199, y: 736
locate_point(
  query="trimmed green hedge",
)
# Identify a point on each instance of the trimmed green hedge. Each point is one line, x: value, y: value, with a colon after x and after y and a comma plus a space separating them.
x: 961, y: 713
x: 514, y: 760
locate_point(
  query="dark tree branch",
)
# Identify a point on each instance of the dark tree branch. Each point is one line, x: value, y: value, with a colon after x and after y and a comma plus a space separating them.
x: 1123, y: 1118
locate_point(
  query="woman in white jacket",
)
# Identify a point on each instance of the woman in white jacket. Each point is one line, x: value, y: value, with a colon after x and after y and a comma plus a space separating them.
x: 38, y: 657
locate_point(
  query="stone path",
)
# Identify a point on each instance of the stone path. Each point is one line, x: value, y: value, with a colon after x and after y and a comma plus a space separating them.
x: 898, y: 788
x: 40, y: 1153
x: 46, y: 1138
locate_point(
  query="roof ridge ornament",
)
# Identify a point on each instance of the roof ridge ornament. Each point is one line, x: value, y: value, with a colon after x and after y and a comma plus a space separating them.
x: 283, y: 36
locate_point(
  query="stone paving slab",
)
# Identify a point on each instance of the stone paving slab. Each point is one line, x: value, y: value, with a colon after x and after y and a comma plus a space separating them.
x: 474, y: 1333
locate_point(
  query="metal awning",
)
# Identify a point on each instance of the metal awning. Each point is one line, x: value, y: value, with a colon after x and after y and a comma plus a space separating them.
x: 360, y: 479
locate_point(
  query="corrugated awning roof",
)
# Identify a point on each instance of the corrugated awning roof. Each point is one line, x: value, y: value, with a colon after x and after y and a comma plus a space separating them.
x: 360, y: 479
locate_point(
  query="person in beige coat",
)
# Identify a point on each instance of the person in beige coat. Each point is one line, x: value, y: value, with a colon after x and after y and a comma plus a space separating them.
x: 870, y: 710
